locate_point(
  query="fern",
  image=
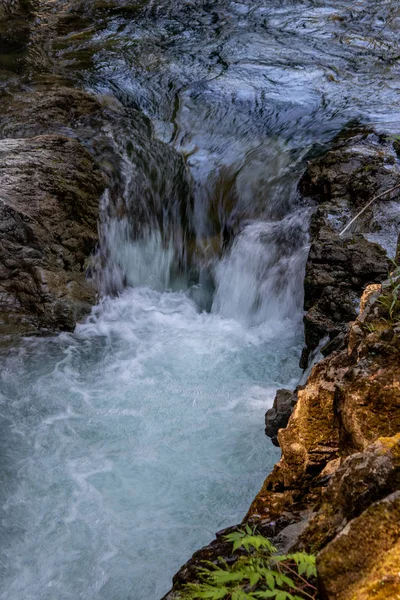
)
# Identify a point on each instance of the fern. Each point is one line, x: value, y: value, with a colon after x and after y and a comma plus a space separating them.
x: 258, y: 573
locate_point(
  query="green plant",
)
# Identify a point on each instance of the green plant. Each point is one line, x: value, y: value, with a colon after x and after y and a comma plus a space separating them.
x: 391, y: 301
x: 390, y: 298
x: 258, y: 573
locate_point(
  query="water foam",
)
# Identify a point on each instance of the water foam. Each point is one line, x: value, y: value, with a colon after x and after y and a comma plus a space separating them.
x: 131, y: 441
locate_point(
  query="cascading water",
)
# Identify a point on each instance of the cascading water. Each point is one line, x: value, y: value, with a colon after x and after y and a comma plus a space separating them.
x: 128, y: 443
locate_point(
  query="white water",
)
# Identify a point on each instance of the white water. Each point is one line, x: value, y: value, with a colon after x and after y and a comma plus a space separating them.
x: 128, y: 444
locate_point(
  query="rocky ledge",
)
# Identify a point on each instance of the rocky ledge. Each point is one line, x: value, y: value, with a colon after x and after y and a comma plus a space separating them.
x: 60, y: 150
x: 50, y: 187
x: 336, y: 490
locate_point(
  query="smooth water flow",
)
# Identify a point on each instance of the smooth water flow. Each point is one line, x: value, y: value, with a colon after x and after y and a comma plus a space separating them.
x: 127, y: 444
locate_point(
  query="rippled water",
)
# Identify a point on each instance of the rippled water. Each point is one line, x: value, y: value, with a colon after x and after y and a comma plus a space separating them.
x: 127, y: 444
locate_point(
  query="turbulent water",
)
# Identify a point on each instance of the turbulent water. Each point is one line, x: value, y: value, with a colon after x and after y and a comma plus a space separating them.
x: 128, y: 443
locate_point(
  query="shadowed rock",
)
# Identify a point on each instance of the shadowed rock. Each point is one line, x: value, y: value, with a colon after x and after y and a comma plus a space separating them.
x: 277, y: 417
x: 49, y: 195
x: 338, y: 267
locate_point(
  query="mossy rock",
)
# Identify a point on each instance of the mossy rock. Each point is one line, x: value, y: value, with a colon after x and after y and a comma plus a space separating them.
x: 362, y: 562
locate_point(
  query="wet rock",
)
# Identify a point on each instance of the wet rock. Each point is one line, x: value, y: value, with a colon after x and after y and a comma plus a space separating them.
x: 362, y: 562
x: 62, y: 149
x: 52, y: 175
x: 49, y: 195
x: 358, y: 167
x: 339, y: 267
x: 277, y: 417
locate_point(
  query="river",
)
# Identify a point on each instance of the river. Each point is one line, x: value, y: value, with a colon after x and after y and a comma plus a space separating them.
x: 126, y: 444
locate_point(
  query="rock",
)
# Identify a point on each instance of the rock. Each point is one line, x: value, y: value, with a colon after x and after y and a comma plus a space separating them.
x: 308, y: 443
x: 361, y: 479
x: 277, y: 417
x: 72, y: 147
x: 359, y: 166
x: 367, y: 399
x: 349, y: 407
x: 15, y: 16
x: 14, y: 8
x: 362, y: 562
x: 339, y: 267
x: 49, y: 194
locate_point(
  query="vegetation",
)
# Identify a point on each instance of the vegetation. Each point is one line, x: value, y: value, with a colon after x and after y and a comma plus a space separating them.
x: 258, y: 573
x: 390, y: 299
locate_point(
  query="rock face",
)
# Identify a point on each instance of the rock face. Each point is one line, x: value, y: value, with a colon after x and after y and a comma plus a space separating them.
x: 335, y: 491
x: 50, y: 188
x: 49, y: 196
x: 339, y: 267
x: 60, y: 150
x: 363, y: 561
x: 335, y: 488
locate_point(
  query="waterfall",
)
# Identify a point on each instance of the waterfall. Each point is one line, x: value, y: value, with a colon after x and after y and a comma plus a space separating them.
x: 128, y: 443
x: 260, y: 279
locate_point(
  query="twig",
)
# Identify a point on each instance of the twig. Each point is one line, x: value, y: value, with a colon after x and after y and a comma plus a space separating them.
x: 396, y: 187
x: 307, y: 583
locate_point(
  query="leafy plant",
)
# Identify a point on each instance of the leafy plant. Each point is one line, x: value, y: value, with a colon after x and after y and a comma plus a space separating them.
x: 258, y: 573
x: 390, y: 299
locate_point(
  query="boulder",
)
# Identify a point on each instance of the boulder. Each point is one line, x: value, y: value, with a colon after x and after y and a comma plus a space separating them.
x: 277, y: 417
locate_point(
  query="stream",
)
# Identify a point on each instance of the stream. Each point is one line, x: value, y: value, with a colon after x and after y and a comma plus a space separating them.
x: 128, y: 443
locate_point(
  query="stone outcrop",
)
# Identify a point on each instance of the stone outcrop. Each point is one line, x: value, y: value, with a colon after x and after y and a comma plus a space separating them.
x: 50, y: 188
x: 49, y: 196
x: 341, y: 182
x: 61, y: 148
